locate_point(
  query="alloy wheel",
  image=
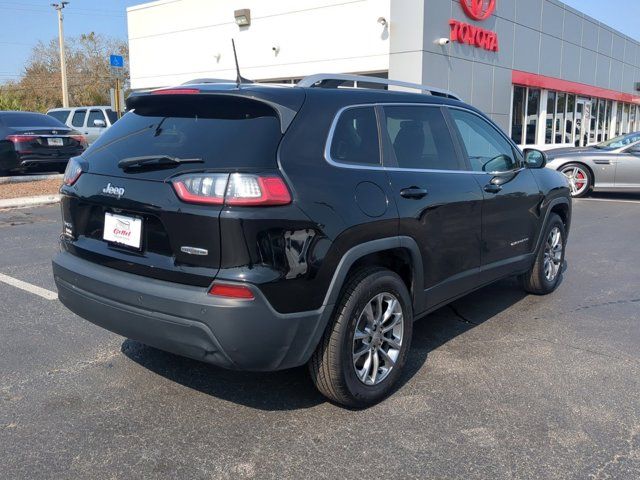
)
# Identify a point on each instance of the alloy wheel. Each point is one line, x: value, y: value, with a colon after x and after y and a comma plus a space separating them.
x: 578, y: 179
x: 553, y: 254
x: 378, y: 337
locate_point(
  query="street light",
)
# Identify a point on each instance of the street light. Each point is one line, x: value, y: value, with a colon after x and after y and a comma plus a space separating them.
x: 63, y: 63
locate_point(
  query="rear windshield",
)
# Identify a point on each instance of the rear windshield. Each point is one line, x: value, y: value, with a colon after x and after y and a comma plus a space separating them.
x: 25, y: 119
x: 60, y: 115
x: 225, y: 132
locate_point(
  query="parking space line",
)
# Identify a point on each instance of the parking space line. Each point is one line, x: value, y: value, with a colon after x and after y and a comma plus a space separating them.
x: 41, y: 292
x: 606, y: 200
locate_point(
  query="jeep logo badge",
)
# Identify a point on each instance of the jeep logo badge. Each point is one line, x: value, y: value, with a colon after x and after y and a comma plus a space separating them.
x: 113, y: 190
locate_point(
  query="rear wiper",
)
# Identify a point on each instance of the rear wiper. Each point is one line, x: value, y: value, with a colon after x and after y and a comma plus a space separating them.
x: 151, y: 161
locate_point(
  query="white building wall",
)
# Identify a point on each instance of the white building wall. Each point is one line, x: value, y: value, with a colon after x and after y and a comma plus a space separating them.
x: 172, y: 41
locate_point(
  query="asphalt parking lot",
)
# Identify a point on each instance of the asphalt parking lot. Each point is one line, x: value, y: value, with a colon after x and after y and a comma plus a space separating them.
x: 498, y: 385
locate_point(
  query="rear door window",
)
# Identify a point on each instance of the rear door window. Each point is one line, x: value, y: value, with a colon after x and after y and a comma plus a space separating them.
x: 78, y: 118
x: 112, y: 116
x: 420, y: 138
x: 355, y: 137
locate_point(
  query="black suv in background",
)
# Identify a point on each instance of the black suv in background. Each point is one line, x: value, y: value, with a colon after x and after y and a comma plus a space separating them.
x: 262, y: 227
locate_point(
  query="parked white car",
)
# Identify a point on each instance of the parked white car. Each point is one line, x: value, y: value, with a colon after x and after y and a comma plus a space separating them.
x: 90, y: 121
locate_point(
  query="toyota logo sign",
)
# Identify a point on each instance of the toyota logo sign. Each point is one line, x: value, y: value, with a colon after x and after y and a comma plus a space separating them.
x: 478, y: 9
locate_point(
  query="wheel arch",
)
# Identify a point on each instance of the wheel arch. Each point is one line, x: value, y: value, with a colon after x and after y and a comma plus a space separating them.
x: 582, y: 164
x: 560, y: 206
x: 399, y: 254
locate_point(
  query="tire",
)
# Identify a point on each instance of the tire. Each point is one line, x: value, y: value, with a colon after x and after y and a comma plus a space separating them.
x: 580, y: 179
x: 332, y: 366
x: 537, y: 280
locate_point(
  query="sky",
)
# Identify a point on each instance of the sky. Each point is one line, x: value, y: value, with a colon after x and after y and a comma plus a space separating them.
x: 24, y: 22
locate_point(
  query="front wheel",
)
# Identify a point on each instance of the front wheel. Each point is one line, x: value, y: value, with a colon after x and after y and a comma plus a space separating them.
x: 364, y: 349
x: 580, y: 179
x: 545, y: 275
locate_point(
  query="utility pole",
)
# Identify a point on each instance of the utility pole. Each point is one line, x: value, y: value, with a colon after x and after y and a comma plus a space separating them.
x: 63, y: 62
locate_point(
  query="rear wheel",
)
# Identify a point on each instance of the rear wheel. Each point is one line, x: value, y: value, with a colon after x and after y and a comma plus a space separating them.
x: 580, y: 179
x: 364, y: 349
x: 545, y: 275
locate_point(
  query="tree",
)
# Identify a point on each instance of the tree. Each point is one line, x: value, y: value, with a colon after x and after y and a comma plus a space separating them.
x: 88, y: 74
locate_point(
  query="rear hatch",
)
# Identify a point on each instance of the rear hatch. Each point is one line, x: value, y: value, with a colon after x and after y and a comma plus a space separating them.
x: 178, y: 241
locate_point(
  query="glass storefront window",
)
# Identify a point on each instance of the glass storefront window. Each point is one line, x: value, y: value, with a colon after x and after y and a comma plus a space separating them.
x: 625, y: 119
x: 573, y: 121
x: 533, y: 102
x: 633, y: 127
x: 560, y: 127
x: 602, y: 104
x: 517, y: 113
x: 549, y: 135
x: 607, y: 120
x: 618, y: 119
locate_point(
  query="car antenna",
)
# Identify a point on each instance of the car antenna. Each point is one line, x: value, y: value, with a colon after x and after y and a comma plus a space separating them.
x: 235, y: 56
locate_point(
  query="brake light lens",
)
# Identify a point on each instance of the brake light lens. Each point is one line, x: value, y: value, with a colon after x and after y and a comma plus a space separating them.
x: 236, y: 189
x: 176, y: 91
x: 231, y: 291
x: 72, y: 172
x: 80, y: 139
x: 21, y: 138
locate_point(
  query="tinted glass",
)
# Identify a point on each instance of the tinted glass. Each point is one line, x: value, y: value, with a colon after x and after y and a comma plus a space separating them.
x: 533, y: 103
x: 78, y: 118
x: 421, y: 138
x: 225, y: 132
x: 60, y: 115
x: 112, y: 116
x: 355, y: 138
x: 488, y: 150
x: 517, y: 114
x: 95, y: 115
x: 26, y: 119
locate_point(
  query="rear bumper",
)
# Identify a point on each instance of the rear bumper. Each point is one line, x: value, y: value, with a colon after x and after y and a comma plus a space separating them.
x: 230, y: 333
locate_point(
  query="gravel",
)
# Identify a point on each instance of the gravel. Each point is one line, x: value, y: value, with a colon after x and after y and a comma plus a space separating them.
x: 30, y: 189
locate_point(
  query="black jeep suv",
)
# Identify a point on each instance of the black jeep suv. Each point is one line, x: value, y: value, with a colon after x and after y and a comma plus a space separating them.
x: 263, y: 227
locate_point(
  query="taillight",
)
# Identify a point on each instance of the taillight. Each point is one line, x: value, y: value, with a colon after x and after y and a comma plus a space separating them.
x: 80, y: 139
x: 19, y: 142
x: 235, y: 189
x: 72, y: 172
x: 231, y: 291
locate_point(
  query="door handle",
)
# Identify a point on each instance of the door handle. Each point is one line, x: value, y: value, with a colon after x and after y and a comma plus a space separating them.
x: 414, y: 193
x: 492, y: 188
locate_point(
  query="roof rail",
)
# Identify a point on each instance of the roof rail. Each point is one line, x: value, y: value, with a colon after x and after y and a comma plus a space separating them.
x: 334, y: 80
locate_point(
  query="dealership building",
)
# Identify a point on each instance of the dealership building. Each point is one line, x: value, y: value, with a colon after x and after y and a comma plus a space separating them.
x: 548, y: 74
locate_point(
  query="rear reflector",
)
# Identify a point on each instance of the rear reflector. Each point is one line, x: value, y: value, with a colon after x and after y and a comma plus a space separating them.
x: 176, y: 91
x: 231, y: 291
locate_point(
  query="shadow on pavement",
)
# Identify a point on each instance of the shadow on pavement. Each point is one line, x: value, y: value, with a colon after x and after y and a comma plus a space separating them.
x: 293, y: 389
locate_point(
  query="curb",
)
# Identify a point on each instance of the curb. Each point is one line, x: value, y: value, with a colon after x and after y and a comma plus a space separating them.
x: 29, y: 201
x: 29, y: 178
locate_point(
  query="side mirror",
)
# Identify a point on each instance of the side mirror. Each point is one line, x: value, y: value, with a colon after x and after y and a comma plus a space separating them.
x: 99, y: 123
x: 534, y: 158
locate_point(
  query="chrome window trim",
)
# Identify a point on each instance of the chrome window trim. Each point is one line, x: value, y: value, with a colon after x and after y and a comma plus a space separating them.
x: 338, y: 164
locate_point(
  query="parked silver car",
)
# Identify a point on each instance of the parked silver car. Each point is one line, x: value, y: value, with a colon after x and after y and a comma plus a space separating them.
x: 90, y: 121
x: 613, y: 165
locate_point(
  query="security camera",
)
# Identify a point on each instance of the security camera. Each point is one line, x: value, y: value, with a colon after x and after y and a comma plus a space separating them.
x: 276, y: 49
x: 442, y: 41
x: 382, y: 21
